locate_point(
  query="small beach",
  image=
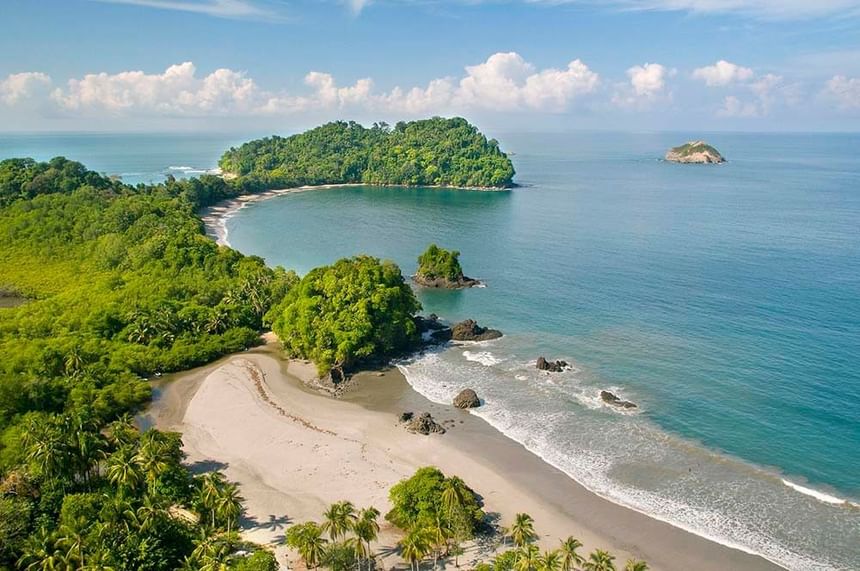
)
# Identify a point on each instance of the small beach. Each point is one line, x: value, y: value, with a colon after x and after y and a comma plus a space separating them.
x: 293, y: 452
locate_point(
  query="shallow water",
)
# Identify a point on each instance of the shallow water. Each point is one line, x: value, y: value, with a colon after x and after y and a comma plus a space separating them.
x: 722, y: 299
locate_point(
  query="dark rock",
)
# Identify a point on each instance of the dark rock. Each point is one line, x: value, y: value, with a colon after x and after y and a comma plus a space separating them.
x: 612, y: 399
x: 467, y: 331
x: 425, y: 424
x: 445, y: 283
x: 430, y: 323
x: 467, y: 399
x: 406, y: 416
x: 551, y: 366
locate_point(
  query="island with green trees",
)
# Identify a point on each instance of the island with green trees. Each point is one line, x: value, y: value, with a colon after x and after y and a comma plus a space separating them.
x: 428, y: 152
x: 440, y: 268
x: 695, y: 152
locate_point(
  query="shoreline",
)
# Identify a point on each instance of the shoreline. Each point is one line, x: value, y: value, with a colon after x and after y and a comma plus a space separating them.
x: 215, y: 217
x: 225, y: 423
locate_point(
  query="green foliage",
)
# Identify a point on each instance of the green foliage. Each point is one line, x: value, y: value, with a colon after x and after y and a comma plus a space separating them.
x: 341, y: 315
x: 436, y: 151
x: 428, y: 496
x: 26, y: 178
x: 688, y: 149
x: 437, y: 262
x: 260, y: 560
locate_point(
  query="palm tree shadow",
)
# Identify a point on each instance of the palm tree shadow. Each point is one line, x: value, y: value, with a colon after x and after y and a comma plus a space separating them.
x: 204, y: 466
x: 273, y: 523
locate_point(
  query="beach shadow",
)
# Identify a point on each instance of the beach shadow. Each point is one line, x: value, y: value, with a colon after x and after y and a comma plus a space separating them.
x: 204, y: 466
x: 273, y: 523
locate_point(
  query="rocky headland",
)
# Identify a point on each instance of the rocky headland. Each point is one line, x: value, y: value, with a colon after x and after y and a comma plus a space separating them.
x: 695, y: 152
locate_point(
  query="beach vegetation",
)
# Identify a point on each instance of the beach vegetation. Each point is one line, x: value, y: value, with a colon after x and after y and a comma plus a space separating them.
x: 351, y: 534
x: 438, y: 263
x: 353, y: 312
x: 437, y: 152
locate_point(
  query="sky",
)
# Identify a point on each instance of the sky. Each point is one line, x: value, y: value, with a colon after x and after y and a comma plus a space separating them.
x: 286, y: 65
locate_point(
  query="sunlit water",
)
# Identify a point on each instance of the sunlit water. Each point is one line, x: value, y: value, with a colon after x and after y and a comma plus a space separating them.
x: 722, y: 299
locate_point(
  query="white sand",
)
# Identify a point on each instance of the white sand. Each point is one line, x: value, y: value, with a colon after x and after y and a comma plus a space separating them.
x: 294, y: 452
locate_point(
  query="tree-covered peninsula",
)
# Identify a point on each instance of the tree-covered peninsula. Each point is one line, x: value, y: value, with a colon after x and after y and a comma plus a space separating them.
x: 429, y: 152
x: 118, y: 283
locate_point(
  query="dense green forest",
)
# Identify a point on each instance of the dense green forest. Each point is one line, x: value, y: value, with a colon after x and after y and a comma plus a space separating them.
x: 438, y: 262
x: 446, y: 152
x: 120, y: 283
x: 345, y: 314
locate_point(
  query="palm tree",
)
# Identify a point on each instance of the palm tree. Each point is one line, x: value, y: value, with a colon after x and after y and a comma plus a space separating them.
x: 307, y: 539
x: 71, y: 540
x: 123, y: 471
x: 634, y: 565
x: 523, y: 530
x: 150, y: 512
x: 228, y: 505
x: 600, y: 560
x: 440, y: 533
x: 209, y: 491
x: 452, y: 498
x: 46, y: 448
x: 339, y: 519
x: 152, y: 456
x: 122, y: 432
x: 41, y: 553
x: 415, y: 546
x: 570, y: 559
x: 550, y: 561
x: 366, y: 529
x: 528, y: 557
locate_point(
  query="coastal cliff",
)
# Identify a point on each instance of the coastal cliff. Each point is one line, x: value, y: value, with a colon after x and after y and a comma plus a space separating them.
x: 695, y: 152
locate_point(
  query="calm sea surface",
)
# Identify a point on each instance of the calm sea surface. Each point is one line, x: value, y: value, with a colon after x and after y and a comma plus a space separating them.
x: 724, y: 300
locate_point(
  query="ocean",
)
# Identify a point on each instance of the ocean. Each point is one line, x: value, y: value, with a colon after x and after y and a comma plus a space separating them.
x: 723, y: 299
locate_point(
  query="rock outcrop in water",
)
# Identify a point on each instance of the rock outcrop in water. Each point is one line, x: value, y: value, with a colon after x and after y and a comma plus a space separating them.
x: 695, y: 152
x: 467, y: 330
x: 424, y: 424
x: 551, y: 366
x: 467, y: 399
x: 614, y: 400
x: 440, y: 268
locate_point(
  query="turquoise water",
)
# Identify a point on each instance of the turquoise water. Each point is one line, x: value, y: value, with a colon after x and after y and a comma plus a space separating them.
x: 722, y: 299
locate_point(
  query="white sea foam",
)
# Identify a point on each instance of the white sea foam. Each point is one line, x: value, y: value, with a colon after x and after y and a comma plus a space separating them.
x: 820, y: 496
x: 483, y: 357
x: 711, y: 512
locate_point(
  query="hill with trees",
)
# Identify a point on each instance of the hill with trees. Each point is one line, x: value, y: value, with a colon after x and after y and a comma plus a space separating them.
x: 354, y: 311
x: 429, y: 152
x: 438, y: 267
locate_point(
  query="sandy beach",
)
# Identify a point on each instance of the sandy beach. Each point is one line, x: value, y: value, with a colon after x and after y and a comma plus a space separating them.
x: 294, y: 451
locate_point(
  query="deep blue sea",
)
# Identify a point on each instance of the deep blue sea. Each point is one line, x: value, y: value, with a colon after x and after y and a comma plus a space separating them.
x: 724, y: 300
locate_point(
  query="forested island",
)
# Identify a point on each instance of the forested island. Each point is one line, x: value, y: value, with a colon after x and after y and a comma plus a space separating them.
x: 428, y: 152
x: 440, y: 268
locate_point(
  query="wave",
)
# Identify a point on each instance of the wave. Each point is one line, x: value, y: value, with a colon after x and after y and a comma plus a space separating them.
x: 712, y: 502
x: 483, y: 357
x: 820, y: 496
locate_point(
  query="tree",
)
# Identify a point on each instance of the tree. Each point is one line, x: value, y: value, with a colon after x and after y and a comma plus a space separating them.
x: 307, y: 539
x: 438, y: 263
x: 339, y: 519
x: 528, y: 557
x: 41, y: 553
x: 523, y: 530
x: 634, y: 565
x: 366, y: 529
x: 415, y: 546
x: 123, y: 471
x: 228, y: 505
x: 570, y: 559
x: 600, y: 560
x: 338, y: 316
x: 550, y: 561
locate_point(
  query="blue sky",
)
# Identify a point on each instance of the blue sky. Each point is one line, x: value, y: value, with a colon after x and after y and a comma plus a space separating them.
x: 113, y: 65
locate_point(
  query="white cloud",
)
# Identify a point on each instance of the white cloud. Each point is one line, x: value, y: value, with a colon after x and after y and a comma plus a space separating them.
x: 176, y: 91
x: 19, y: 87
x: 505, y: 81
x: 734, y: 107
x: 234, y: 9
x: 764, y: 9
x: 844, y: 90
x: 646, y: 85
x: 723, y: 73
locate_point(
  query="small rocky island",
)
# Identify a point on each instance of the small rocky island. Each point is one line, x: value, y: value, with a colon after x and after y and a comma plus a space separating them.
x: 440, y: 268
x: 695, y: 152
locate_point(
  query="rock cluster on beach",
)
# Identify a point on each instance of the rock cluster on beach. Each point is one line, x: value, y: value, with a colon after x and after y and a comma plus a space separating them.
x: 467, y: 398
x: 614, y: 400
x: 551, y: 366
x: 422, y: 424
x: 695, y: 152
x: 445, y: 283
x: 467, y: 330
